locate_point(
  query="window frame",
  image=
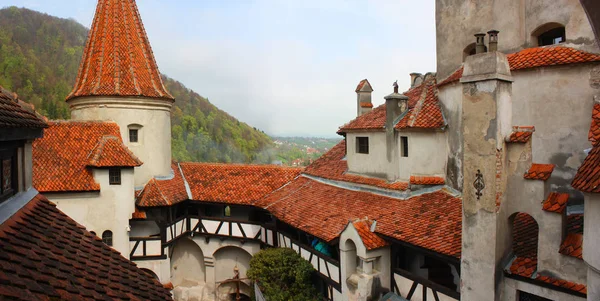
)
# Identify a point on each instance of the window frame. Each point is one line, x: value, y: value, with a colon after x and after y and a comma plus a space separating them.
x: 136, y: 134
x: 107, y: 238
x: 404, y: 150
x: 114, y: 176
x: 11, y: 156
x: 362, y: 145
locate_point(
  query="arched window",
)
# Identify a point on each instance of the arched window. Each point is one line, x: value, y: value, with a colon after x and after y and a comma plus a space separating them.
x: 470, y: 50
x: 227, y: 211
x: 107, y: 237
x: 549, y: 34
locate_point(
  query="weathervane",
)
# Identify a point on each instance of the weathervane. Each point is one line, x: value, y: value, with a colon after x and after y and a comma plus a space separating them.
x: 479, y: 184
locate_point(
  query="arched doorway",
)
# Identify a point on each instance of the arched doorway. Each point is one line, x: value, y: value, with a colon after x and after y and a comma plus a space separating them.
x: 187, y: 264
x: 525, y: 233
x: 226, y: 260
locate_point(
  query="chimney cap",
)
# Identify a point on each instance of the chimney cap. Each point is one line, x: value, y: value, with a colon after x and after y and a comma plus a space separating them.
x: 364, y: 84
x: 396, y: 96
x: 480, y: 34
x: 493, y: 31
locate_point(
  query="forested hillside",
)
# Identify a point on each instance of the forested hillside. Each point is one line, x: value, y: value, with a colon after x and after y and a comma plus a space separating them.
x: 39, y: 60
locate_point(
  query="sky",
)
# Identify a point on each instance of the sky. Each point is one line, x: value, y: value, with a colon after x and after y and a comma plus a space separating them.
x: 287, y: 67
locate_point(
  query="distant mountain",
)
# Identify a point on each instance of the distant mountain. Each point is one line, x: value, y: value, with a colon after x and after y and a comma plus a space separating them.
x: 39, y: 60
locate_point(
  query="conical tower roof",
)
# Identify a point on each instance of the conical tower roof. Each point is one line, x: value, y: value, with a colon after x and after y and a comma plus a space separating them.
x: 118, y: 59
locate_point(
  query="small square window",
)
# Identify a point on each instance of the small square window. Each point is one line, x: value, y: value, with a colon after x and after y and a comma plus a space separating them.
x: 362, y: 145
x: 114, y: 176
x: 404, y: 145
x: 133, y: 135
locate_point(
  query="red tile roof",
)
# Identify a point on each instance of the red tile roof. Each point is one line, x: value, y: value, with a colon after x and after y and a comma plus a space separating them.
x: 46, y: 255
x: 594, y: 134
x: 161, y: 192
x: 587, y: 178
x: 425, y: 180
x: 235, y: 183
x: 538, y: 57
x: 333, y: 166
x: 549, y: 56
x: 118, y: 59
x: 61, y: 157
x: 138, y: 214
x: 575, y: 223
x: 15, y: 115
x: 362, y: 84
x: 539, y: 172
x: 521, y: 134
x: 432, y: 221
x: 572, y: 245
x: 525, y: 245
x: 366, y: 105
x: 424, y: 111
x: 111, y: 152
x: 371, y: 240
x: 556, y: 202
x: 576, y: 287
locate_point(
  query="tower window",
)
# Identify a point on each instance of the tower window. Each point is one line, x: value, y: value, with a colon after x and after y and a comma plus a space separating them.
x: 114, y: 176
x: 227, y: 211
x: 107, y: 238
x: 549, y: 34
x: 8, y: 175
x: 362, y: 145
x: 404, y: 146
x: 133, y: 135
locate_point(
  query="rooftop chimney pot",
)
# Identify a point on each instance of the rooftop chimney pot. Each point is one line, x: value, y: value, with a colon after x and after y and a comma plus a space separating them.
x: 480, y: 43
x: 493, y: 40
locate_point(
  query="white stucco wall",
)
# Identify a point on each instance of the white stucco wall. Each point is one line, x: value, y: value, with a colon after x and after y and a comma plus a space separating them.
x: 591, y: 243
x: 510, y: 291
x: 154, y: 146
x: 373, y: 164
x: 450, y: 97
x: 110, y: 209
x: 160, y: 267
x: 427, y: 155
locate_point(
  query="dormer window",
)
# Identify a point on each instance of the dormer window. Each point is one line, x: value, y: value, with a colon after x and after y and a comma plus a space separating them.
x: 114, y: 176
x: 549, y: 34
x: 362, y: 145
x: 8, y: 175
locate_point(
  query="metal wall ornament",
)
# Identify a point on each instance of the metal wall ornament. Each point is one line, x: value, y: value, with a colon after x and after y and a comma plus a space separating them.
x: 479, y: 184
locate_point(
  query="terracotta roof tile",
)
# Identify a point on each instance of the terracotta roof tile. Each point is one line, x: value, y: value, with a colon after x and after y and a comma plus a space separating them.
x: 111, y: 152
x: 539, y: 172
x: 549, y: 56
x: 524, y: 266
x: 594, y: 134
x: 15, y: 115
x: 521, y: 134
x: 575, y: 223
x: 572, y: 245
x: 61, y: 157
x: 118, y: 59
x: 371, y: 240
x: 576, y: 287
x: 423, y: 112
x: 332, y: 165
x: 426, y: 180
x: 366, y: 105
x: 138, y: 214
x: 454, y: 77
x: 556, y: 202
x: 235, y: 183
x: 432, y: 221
x: 362, y: 84
x: 587, y: 178
x: 46, y: 255
x: 163, y: 192
x: 525, y: 236
x: 538, y: 57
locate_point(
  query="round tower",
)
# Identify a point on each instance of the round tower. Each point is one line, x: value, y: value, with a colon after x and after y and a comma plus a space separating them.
x: 119, y: 80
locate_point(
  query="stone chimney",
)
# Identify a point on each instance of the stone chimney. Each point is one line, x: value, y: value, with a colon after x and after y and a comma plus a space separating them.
x: 486, y: 123
x: 363, y: 97
x: 479, y: 43
x: 493, y: 40
x: 395, y: 105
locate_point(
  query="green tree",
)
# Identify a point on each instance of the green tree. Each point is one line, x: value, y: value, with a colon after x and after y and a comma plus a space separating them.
x: 283, y: 275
